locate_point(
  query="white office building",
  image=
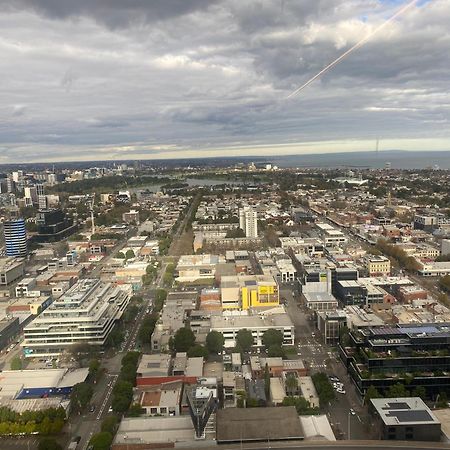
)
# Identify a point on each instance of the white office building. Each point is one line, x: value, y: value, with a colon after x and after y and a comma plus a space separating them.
x: 230, y: 324
x: 248, y: 221
x: 86, y: 313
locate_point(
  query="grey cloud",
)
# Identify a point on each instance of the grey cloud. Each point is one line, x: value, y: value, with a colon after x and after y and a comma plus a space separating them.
x: 214, y: 73
x: 113, y: 13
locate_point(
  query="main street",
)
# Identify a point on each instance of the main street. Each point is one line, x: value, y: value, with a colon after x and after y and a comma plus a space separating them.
x: 319, y: 357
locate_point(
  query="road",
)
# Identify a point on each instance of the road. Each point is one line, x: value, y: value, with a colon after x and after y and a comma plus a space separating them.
x: 177, y: 235
x: 319, y: 357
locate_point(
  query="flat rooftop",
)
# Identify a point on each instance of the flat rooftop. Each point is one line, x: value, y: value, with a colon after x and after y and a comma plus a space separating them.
x: 155, y: 430
x: 9, y: 262
x: 404, y: 411
x: 252, y: 322
x: 258, y: 424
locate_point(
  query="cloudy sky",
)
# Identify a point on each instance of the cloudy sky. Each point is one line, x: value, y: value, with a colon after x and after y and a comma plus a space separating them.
x: 119, y: 79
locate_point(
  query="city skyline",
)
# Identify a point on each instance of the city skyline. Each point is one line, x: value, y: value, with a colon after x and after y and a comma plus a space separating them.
x: 90, y: 81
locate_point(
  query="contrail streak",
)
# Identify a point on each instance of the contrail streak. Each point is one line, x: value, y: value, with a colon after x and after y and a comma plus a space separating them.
x: 401, y: 11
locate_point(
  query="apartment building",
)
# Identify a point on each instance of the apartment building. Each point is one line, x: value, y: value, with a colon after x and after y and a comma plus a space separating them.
x: 86, y: 313
x: 248, y: 222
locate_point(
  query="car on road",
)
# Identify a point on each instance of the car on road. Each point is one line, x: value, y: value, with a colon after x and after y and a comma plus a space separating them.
x: 352, y: 412
x: 110, y: 410
x: 92, y: 408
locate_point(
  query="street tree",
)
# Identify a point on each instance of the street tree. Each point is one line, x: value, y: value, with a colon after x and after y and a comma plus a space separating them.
x: 101, y: 441
x: 110, y: 424
x: 16, y: 363
x: 80, y: 396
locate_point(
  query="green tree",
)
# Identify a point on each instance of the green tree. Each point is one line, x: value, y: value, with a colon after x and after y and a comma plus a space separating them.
x: 129, y: 254
x: 301, y: 405
x: 94, y: 367
x: 442, y: 400
x: 45, y: 426
x: 275, y: 351
x: 323, y: 387
x: 147, y: 328
x: 16, y: 363
x: 397, y: 390
x: 197, y: 350
x: 272, y: 337
x: 244, y: 339
x: 130, y: 358
x: 183, y: 340
x: 124, y: 388
x: 135, y: 410
x: 160, y: 298
x: 109, y: 424
x: 120, y: 255
x: 419, y: 391
x: 120, y: 404
x: 82, y: 351
x: 215, y: 342
x: 49, y: 444
x: 130, y: 313
x: 291, y: 384
x: 80, y: 396
x: 101, y: 441
x: 372, y: 392
x: 128, y: 373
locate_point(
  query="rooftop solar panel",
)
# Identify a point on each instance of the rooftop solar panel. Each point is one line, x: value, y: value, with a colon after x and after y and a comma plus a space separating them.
x: 411, y: 416
x: 397, y: 405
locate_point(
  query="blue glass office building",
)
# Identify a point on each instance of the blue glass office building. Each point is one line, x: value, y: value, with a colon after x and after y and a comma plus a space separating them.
x: 15, y: 237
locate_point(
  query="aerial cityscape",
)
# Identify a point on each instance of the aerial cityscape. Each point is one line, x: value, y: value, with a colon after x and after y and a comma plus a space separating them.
x: 224, y: 224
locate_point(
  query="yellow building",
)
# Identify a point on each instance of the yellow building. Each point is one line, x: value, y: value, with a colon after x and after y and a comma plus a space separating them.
x: 249, y: 291
x: 378, y: 266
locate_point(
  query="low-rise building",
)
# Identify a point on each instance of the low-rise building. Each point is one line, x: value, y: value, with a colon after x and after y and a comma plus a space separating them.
x: 320, y: 301
x: 194, y: 267
x: 256, y: 323
x: 378, y: 265
x: 308, y: 391
x: 11, y: 269
x: 249, y: 291
x: 435, y: 269
x: 405, y: 419
x: 162, y: 400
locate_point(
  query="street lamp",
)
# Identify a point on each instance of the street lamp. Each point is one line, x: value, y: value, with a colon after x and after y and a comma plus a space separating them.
x: 348, y: 425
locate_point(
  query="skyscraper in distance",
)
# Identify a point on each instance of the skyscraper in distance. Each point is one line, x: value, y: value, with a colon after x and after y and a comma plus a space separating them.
x: 15, y: 233
x: 248, y: 221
